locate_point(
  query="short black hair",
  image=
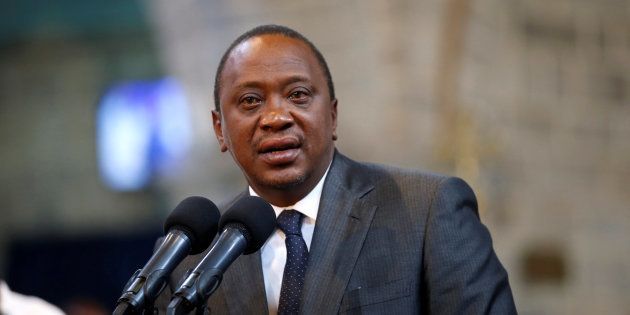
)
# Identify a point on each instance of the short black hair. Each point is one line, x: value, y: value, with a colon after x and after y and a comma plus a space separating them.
x: 270, y: 29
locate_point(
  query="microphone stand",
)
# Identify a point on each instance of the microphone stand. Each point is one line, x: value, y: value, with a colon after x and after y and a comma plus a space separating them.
x: 126, y: 309
x: 136, y: 286
x: 201, y: 282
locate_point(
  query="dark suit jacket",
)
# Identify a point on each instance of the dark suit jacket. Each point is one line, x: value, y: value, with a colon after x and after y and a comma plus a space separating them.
x: 386, y: 241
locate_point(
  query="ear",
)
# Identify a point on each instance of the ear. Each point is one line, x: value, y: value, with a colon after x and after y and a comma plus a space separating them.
x: 218, y: 130
x: 333, y: 113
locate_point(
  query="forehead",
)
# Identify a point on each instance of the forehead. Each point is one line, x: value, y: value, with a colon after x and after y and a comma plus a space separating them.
x: 265, y: 56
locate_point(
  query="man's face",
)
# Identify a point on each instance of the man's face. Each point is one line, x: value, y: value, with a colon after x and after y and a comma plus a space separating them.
x: 277, y: 118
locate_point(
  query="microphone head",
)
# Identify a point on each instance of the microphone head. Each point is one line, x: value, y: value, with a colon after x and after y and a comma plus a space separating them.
x: 255, y: 216
x: 198, y: 218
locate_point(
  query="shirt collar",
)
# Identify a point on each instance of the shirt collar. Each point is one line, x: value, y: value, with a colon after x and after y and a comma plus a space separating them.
x: 309, y: 205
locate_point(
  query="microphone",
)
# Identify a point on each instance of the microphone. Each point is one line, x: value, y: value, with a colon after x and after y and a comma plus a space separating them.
x: 245, y: 228
x: 190, y: 228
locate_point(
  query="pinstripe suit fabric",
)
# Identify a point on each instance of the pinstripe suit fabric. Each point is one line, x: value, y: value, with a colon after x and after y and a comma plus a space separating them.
x: 387, y: 241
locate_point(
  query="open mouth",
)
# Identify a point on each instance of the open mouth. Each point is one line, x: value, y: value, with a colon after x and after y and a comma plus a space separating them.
x: 275, y: 146
x: 279, y: 151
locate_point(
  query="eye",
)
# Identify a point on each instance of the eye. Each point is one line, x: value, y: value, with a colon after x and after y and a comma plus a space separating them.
x: 299, y: 96
x: 250, y: 101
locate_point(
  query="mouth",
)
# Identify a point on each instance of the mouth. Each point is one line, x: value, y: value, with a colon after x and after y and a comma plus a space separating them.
x: 279, y: 151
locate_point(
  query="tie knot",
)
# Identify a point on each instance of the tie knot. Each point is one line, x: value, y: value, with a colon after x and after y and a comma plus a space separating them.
x: 290, y: 222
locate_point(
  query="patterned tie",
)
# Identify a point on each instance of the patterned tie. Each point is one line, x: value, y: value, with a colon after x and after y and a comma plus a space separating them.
x: 290, y: 222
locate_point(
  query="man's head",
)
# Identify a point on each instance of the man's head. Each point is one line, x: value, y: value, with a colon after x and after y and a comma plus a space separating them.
x: 276, y: 113
x: 270, y: 29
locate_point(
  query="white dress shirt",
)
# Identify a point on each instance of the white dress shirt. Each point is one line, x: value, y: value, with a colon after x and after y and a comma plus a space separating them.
x: 274, y: 252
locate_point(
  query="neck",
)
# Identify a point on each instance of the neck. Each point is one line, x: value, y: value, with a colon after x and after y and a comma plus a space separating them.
x: 287, y: 196
x: 283, y: 198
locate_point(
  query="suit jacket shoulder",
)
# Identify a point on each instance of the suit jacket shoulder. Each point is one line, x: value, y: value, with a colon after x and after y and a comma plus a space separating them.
x: 425, y: 248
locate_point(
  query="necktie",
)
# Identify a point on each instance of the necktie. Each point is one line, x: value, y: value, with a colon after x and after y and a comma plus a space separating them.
x: 290, y: 222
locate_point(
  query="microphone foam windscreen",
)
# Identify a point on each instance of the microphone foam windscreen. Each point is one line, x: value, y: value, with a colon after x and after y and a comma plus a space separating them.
x: 198, y: 217
x: 254, y: 214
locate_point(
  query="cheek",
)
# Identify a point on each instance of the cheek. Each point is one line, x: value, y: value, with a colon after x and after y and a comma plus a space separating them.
x: 234, y: 141
x: 238, y: 139
x: 324, y: 125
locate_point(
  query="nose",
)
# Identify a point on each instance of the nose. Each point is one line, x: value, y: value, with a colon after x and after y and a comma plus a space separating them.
x: 276, y: 115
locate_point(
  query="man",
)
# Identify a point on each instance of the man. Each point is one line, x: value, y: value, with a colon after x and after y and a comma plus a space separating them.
x: 370, y: 239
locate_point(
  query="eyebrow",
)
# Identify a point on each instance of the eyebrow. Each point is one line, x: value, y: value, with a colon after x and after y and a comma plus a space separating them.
x: 295, y: 78
x: 287, y: 81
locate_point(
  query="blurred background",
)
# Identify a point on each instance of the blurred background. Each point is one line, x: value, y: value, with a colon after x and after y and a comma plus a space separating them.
x: 105, y: 126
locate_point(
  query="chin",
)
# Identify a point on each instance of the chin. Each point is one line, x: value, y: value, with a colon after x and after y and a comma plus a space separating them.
x: 284, y: 181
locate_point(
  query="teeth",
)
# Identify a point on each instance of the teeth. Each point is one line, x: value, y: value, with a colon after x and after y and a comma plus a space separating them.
x: 279, y: 146
x: 278, y: 149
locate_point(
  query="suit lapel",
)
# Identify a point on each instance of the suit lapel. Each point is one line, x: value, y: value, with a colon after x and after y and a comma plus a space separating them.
x: 342, y: 224
x: 244, y: 287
